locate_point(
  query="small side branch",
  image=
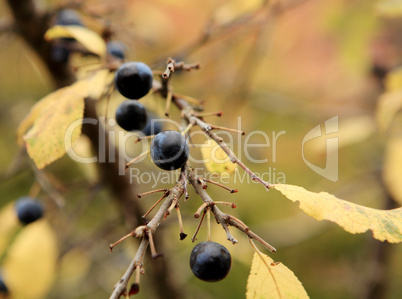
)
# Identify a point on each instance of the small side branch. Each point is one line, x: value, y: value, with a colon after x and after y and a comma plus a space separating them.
x: 175, y: 193
x: 190, y: 115
x: 224, y: 219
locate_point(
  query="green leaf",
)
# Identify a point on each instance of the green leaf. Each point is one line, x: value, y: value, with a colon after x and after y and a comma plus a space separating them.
x: 92, y: 41
x: 272, y: 280
x: 355, y: 219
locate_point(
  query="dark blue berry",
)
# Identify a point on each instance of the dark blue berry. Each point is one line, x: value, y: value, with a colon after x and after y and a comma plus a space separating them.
x: 116, y: 49
x: 169, y: 150
x: 67, y: 17
x: 154, y: 125
x: 28, y: 209
x: 59, y: 53
x: 210, y: 261
x: 133, y: 79
x: 131, y: 115
x: 3, y: 287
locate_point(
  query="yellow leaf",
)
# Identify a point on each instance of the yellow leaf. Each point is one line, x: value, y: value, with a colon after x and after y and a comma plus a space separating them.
x: 73, y: 269
x: 92, y: 41
x: 45, y: 141
x: 215, y: 159
x: 99, y: 83
x: 272, y: 280
x: 389, y: 104
x: 351, y: 131
x: 9, y: 224
x: 390, y: 8
x: 393, y: 168
x: 30, y: 265
x: 355, y: 219
x: 234, y: 9
x: 393, y: 81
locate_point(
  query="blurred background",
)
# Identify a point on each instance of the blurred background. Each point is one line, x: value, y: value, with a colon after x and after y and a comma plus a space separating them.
x: 282, y: 67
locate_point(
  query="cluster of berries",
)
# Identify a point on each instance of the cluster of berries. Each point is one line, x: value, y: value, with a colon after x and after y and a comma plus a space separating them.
x: 209, y: 261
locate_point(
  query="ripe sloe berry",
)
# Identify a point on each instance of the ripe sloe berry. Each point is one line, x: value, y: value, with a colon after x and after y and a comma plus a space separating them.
x: 154, y: 125
x: 59, y: 53
x: 169, y: 150
x: 210, y: 261
x: 28, y: 209
x: 131, y: 115
x: 116, y: 49
x: 68, y: 17
x: 3, y: 287
x: 133, y: 79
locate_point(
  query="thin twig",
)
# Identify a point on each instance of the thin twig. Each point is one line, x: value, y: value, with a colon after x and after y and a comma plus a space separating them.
x: 175, y: 193
x: 224, y: 219
x: 222, y: 186
x: 168, y: 102
x: 182, y: 234
x: 139, y: 195
x: 188, y: 114
x: 145, y: 137
x: 136, y: 159
x: 199, y: 226
x: 144, y: 217
x: 213, y: 127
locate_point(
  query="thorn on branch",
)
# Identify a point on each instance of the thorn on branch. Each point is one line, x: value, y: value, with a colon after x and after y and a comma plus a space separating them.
x: 220, y: 185
x: 154, y: 253
x: 198, y: 227
x: 131, y: 234
x: 172, y: 66
x: 231, y: 204
x: 155, y: 204
x: 139, y: 195
x: 203, y: 114
x: 200, y: 209
x: 168, y: 102
x: 136, y: 159
x: 227, y: 129
x: 145, y: 137
x: 182, y: 234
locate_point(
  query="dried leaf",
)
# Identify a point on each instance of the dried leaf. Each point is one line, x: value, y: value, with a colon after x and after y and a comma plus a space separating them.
x: 390, y: 8
x: 92, y: 41
x: 389, y: 104
x: 29, y: 268
x: 215, y: 159
x: 272, y: 280
x: 392, y: 168
x: 355, y: 219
